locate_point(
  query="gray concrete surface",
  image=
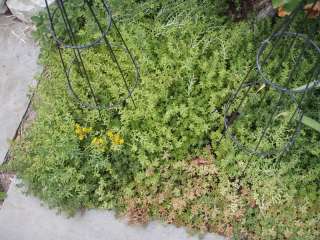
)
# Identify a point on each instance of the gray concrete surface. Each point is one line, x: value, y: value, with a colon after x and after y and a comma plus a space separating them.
x: 3, y: 7
x: 24, y: 218
x: 25, y: 9
x: 18, y: 65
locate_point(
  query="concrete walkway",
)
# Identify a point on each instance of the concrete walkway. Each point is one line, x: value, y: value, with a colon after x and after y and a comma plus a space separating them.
x: 18, y: 57
x: 24, y: 217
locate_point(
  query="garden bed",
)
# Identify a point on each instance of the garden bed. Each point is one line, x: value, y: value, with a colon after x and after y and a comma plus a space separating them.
x: 158, y: 158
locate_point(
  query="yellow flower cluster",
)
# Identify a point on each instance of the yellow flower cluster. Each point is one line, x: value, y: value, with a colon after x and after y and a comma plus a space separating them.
x: 99, y: 142
x: 82, y: 132
x: 115, y: 138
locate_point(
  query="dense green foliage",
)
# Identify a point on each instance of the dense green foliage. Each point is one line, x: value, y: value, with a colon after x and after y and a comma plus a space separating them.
x: 160, y: 160
x: 3, y: 195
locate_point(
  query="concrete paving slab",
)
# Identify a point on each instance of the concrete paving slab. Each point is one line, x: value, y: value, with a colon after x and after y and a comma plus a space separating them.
x: 25, y: 218
x: 18, y: 65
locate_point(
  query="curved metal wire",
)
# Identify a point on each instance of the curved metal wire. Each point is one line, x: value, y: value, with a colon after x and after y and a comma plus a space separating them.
x: 78, y: 55
x: 262, y: 48
x: 254, y: 150
x: 82, y: 46
x: 110, y: 106
x: 296, y: 95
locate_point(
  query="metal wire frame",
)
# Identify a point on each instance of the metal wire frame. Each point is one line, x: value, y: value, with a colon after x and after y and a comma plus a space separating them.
x: 260, y: 77
x: 77, y: 53
x: 296, y: 96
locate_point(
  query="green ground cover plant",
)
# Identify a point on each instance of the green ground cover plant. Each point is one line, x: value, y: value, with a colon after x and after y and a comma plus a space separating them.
x: 159, y: 160
x: 2, y: 196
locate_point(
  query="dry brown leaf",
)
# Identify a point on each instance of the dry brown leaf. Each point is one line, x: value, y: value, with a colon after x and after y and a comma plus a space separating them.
x: 282, y: 12
x: 313, y: 9
x: 200, y: 161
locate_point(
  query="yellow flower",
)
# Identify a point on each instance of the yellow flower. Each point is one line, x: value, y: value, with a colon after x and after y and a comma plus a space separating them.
x: 87, y: 130
x: 115, y: 138
x: 78, y: 128
x: 110, y: 134
x: 82, y: 132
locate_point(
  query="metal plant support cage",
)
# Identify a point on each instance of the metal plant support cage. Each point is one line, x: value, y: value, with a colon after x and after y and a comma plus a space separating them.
x: 78, y: 48
x: 256, y: 77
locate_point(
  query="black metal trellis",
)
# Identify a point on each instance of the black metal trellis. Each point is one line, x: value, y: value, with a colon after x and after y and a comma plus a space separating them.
x: 258, y: 89
x: 59, y: 12
x: 257, y: 83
